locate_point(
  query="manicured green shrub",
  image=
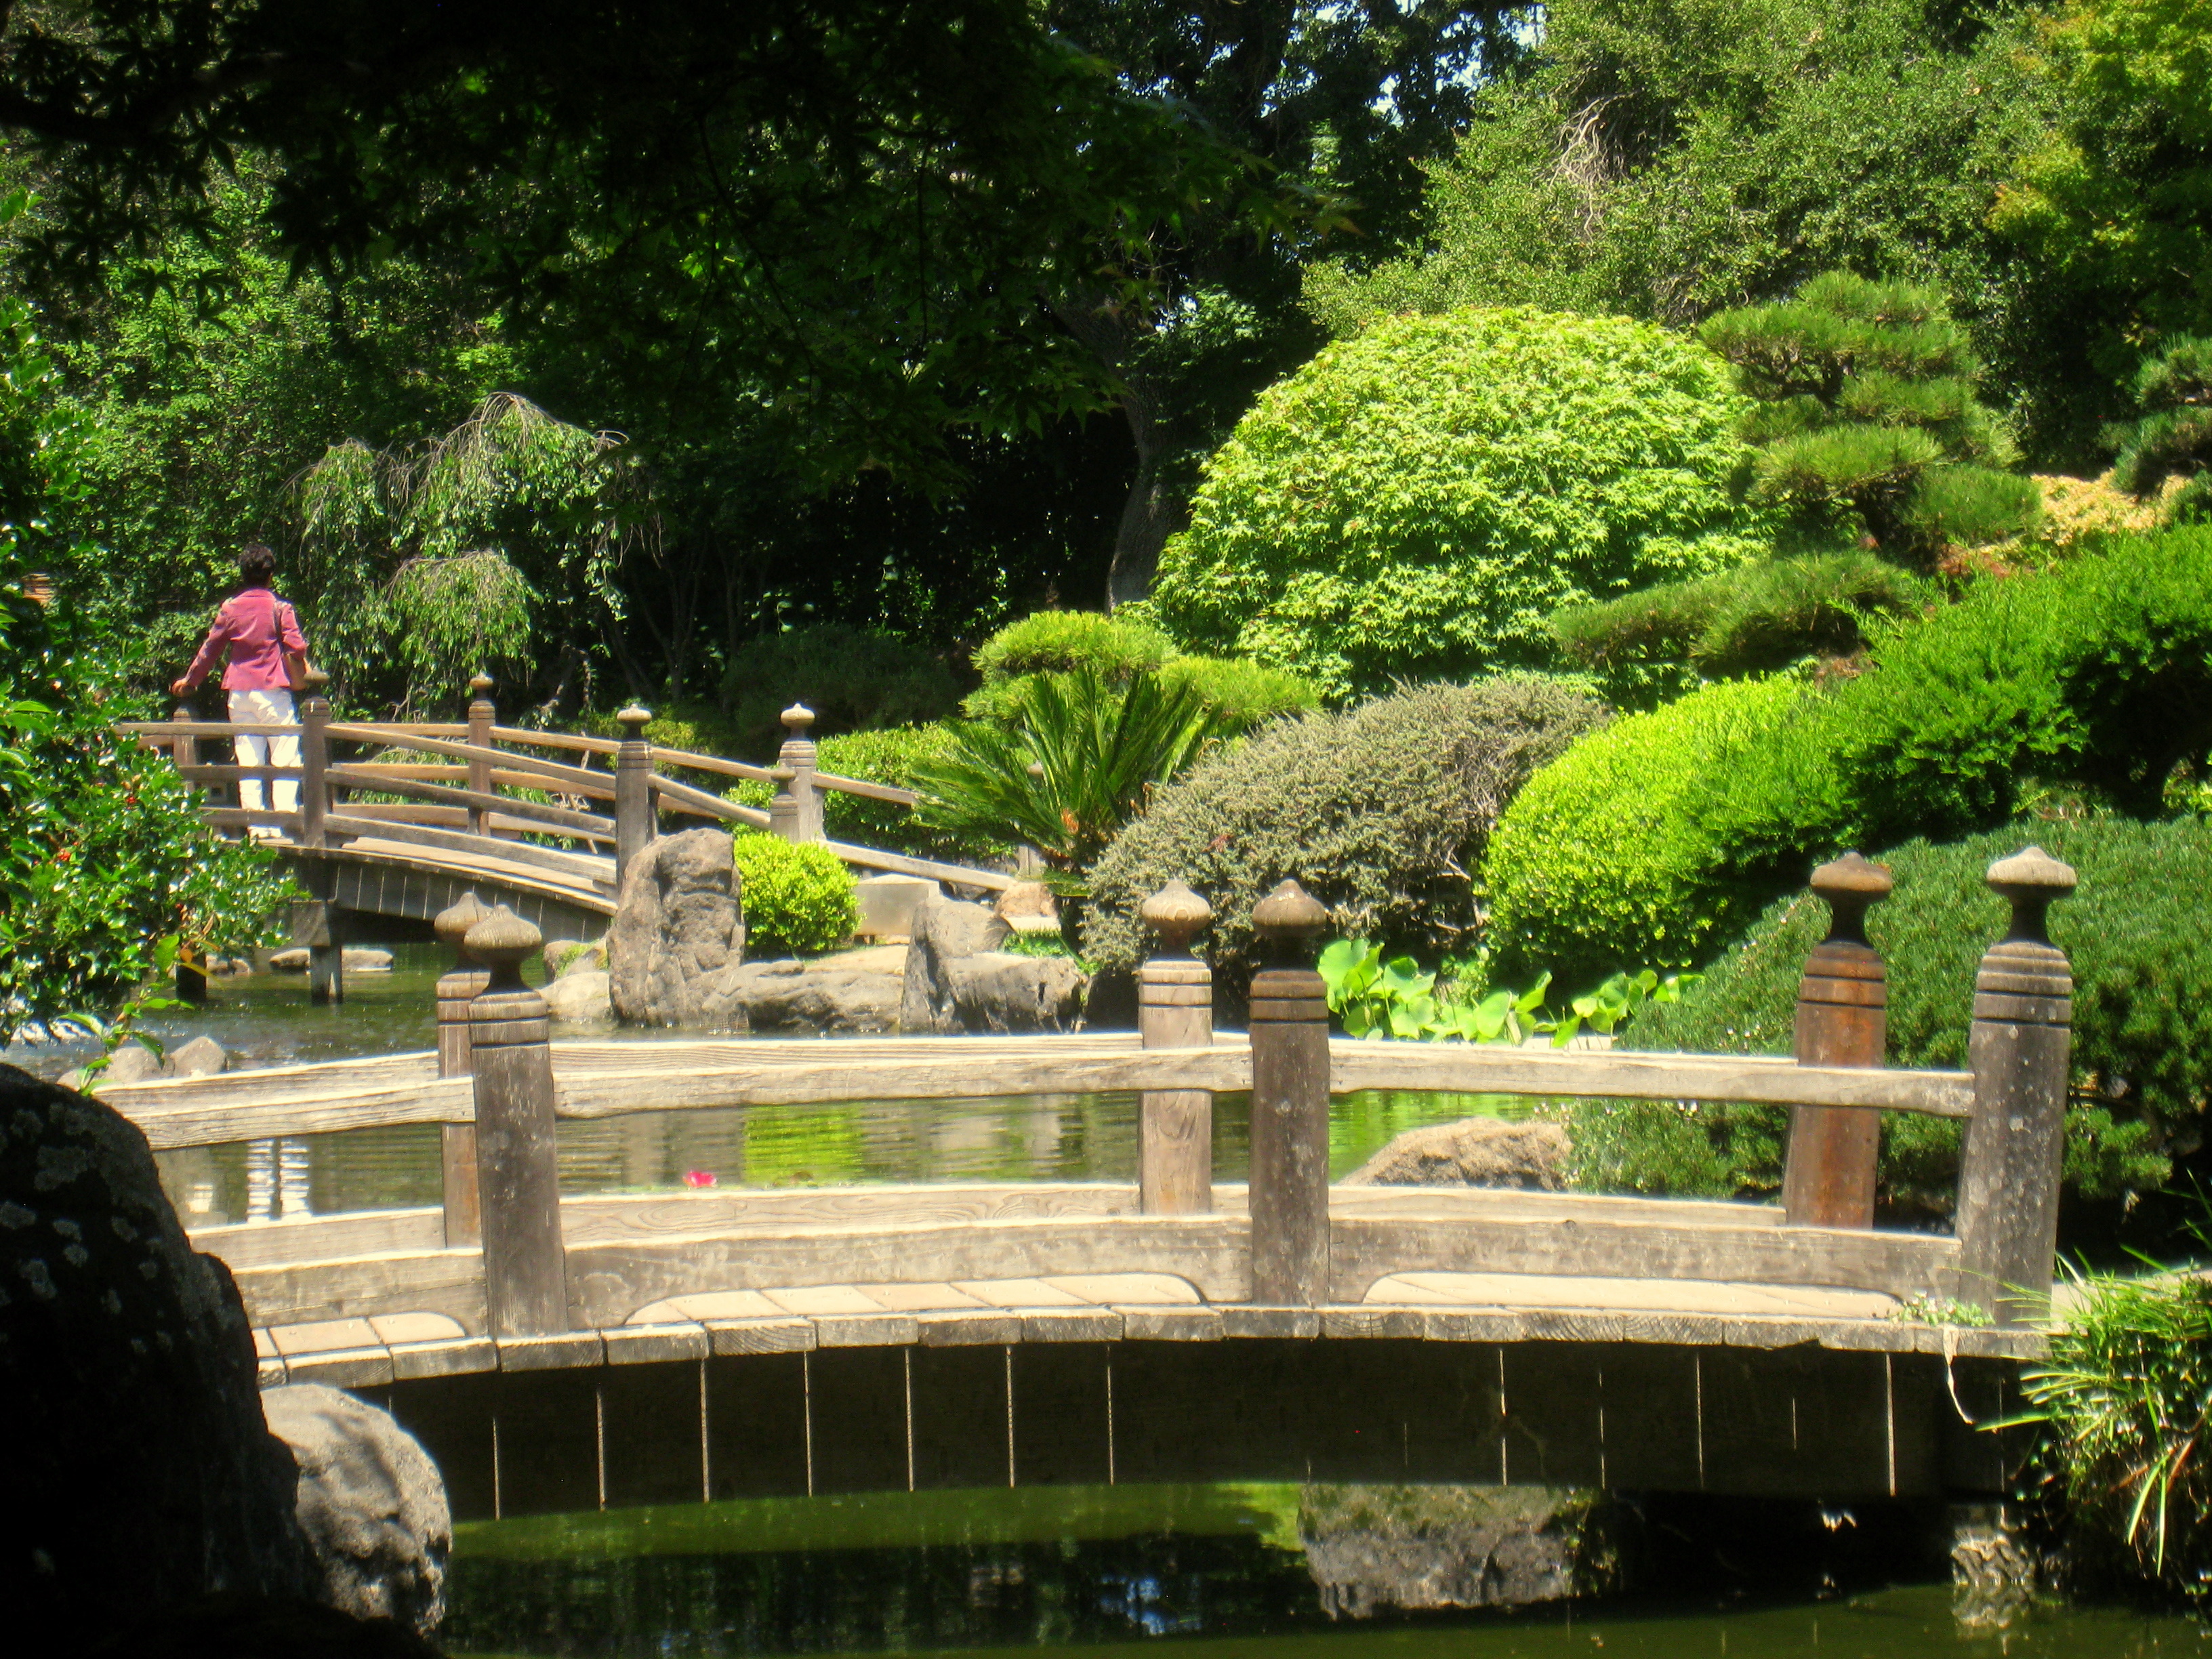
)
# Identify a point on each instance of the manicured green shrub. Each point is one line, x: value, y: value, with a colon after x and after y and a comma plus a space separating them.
x: 1598, y: 866
x: 798, y: 901
x: 853, y: 680
x: 1117, y: 649
x: 2095, y: 676
x: 1381, y: 811
x: 2142, y: 1016
x: 1753, y: 619
x: 1414, y: 502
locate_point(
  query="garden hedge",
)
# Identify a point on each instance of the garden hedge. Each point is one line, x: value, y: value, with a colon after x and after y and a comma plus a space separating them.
x: 798, y: 900
x: 1414, y: 502
x: 1381, y: 811
x: 2094, y: 678
x: 2142, y: 1016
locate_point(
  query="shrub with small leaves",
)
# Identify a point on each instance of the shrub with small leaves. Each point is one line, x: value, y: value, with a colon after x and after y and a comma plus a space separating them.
x: 1380, y: 811
x: 1118, y: 650
x: 797, y: 899
x: 1414, y: 502
x: 2142, y: 1016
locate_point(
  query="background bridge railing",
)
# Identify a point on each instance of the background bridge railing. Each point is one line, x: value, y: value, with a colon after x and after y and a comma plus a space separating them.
x: 564, y: 812
x: 498, y: 1084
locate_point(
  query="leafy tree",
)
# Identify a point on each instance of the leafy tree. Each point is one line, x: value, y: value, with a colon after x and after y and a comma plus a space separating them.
x: 106, y: 868
x: 1866, y: 410
x: 432, y: 559
x: 1120, y: 649
x: 1673, y: 158
x: 1416, y: 501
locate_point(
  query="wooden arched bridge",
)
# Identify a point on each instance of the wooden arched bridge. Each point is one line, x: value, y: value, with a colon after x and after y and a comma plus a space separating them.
x: 645, y: 1347
x: 543, y: 822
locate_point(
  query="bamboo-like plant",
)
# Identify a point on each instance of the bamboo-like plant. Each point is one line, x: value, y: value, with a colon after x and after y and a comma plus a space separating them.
x: 2125, y: 1397
x: 1078, y: 759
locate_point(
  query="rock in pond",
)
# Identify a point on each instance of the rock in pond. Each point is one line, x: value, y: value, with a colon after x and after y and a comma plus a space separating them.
x: 371, y: 1505
x: 1475, y: 1152
x: 141, y: 1475
x: 581, y: 998
x: 957, y: 979
x: 202, y: 1057
x: 854, y: 991
x: 355, y: 959
x: 1416, y: 1547
x: 679, y: 934
x: 574, y: 956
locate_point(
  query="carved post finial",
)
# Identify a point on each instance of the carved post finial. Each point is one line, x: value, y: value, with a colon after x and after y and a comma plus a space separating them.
x: 501, y: 940
x: 2029, y: 880
x: 797, y: 718
x: 1288, y: 918
x: 452, y: 923
x: 632, y: 721
x: 480, y: 684
x: 1851, y: 885
x: 316, y: 680
x: 1177, y: 915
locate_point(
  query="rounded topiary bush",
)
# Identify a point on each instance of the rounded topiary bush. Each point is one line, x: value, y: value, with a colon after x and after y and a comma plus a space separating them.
x: 1380, y: 811
x: 2142, y: 1016
x: 798, y: 900
x: 1596, y: 866
x: 1416, y: 501
x: 1117, y: 649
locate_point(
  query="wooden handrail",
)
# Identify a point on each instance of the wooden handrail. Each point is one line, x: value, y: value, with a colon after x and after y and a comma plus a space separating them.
x: 612, y: 1080
x: 576, y: 740
x: 559, y: 817
x: 682, y: 798
x: 577, y: 777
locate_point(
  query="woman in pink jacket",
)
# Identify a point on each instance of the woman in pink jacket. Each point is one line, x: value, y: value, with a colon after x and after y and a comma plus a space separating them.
x: 259, y: 633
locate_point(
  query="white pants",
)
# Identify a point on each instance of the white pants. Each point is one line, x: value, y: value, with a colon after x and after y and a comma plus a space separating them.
x: 265, y: 708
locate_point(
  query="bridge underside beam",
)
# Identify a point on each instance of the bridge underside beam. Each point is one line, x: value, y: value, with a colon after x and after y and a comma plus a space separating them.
x: 1796, y: 1422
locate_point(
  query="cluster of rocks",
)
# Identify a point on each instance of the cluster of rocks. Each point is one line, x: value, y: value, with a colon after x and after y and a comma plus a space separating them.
x: 1475, y: 1152
x: 1425, y: 1547
x: 675, y: 956
x: 134, y: 1062
x: 357, y: 959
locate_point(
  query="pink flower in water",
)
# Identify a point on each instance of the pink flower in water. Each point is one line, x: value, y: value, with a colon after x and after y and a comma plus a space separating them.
x: 698, y: 1177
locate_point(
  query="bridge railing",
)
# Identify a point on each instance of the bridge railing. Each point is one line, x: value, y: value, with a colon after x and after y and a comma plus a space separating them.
x: 498, y: 1096
x: 469, y: 782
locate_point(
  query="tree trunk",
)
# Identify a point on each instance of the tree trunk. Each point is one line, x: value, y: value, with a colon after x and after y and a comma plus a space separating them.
x: 1150, y: 514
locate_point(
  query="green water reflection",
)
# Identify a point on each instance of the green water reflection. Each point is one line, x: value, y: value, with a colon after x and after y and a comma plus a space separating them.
x: 1222, y: 1570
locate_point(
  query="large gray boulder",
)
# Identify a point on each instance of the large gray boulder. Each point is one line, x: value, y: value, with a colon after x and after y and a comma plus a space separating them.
x: 855, y: 991
x: 679, y: 936
x: 998, y: 991
x: 1475, y: 1152
x: 945, y: 931
x: 139, y: 1473
x: 371, y: 1503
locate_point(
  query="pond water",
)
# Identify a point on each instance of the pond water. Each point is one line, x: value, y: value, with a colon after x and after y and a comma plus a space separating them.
x: 266, y: 1019
x: 1227, y: 1572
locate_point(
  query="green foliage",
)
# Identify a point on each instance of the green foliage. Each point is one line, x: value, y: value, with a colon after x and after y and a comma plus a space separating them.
x: 105, y: 867
x: 1377, y: 998
x: 1380, y: 811
x: 1598, y: 866
x: 1081, y: 760
x: 798, y: 900
x: 1751, y: 620
x: 1671, y: 158
x: 2143, y: 1051
x: 1867, y: 413
x: 855, y: 680
x: 435, y: 558
x: 2095, y: 676
x: 1117, y: 648
x: 2173, y: 438
x: 2125, y: 1394
x: 1415, y: 501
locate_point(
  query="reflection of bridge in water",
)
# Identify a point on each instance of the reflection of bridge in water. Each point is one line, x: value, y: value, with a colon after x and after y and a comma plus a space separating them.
x: 557, y: 1354
x: 477, y: 806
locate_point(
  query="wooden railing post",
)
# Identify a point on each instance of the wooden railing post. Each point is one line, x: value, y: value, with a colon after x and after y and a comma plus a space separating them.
x: 1288, y: 1193
x: 783, y: 805
x: 1174, y: 1009
x: 456, y: 990
x: 799, y: 754
x: 324, y: 941
x: 634, y: 819
x: 518, y: 1177
x: 184, y: 748
x: 1843, y: 1011
x: 483, y: 714
x: 191, y: 980
x: 2020, y: 1047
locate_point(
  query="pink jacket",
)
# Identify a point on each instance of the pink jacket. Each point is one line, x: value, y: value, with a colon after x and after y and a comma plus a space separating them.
x: 256, y: 627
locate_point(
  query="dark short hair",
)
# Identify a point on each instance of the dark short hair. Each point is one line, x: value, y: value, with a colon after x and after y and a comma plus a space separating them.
x: 257, y: 564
